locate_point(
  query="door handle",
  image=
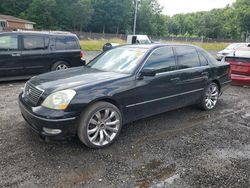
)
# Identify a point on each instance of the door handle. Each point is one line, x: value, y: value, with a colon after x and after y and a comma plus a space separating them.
x: 204, y: 73
x: 175, y: 79
x: 15, y: 54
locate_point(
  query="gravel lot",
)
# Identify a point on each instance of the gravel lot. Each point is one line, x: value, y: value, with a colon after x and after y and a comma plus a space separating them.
x: 181, y: 148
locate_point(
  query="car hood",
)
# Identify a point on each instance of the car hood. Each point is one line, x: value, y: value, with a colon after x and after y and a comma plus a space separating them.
x: 70, y: 78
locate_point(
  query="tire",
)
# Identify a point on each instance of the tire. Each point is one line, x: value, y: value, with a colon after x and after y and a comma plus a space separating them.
x: 210, y: 97
x: 60, y: 65
x: 99, y: 125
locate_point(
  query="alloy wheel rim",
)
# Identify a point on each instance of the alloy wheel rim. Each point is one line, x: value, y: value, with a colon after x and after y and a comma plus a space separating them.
x: 103, y: 127
x: 61, y: 67
x: 211, y: 96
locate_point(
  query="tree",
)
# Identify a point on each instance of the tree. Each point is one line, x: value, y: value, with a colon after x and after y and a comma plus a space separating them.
x: 14, y: 7
x: 111, y: 15
x: 80, y: 13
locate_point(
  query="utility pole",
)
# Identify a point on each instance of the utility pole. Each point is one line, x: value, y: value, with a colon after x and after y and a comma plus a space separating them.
x: 136, y: 7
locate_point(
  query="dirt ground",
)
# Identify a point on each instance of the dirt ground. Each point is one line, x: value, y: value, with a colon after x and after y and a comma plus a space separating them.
x: 181, y: 148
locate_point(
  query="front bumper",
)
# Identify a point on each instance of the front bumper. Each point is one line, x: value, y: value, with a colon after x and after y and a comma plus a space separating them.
x: 240, y: 79
x: 38, y: 123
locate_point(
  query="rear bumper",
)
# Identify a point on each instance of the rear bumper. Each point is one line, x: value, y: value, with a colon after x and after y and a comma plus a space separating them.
x: 240, y: 79
x: 67, y: 126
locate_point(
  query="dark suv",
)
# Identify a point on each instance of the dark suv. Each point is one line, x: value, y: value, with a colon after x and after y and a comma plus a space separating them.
x: 24, y: 54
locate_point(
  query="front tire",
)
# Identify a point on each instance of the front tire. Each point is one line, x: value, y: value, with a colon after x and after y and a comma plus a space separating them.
x: 100, y: 125
x: 210, y: 97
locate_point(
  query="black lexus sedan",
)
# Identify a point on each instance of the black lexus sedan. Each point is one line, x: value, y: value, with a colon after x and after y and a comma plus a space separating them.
x: 119, y: 86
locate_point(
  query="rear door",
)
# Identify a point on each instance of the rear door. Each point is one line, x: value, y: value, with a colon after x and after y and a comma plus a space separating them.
x: 35, y: 53
x: 10, y: 56
x: 193, y: 73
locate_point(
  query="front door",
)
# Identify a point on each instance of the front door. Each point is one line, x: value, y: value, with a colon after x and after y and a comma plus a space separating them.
x: 10, y: 56
x: 156, y: 94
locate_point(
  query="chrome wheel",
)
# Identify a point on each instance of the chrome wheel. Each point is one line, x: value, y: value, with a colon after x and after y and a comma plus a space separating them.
x: 103, y: 127
x: 61, y: 67
x: 212, y: 95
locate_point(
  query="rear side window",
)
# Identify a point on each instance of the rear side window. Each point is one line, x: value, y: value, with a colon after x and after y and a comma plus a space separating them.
x: 66, y: 43
x: 161, y: 60
x: 187, y: 57
x: 203, y: 60
x: 8, y: 42
x: 35, y: 42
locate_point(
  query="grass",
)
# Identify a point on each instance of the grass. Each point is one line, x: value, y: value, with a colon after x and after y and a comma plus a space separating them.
x: 96, y: 45
x: 215, y: 46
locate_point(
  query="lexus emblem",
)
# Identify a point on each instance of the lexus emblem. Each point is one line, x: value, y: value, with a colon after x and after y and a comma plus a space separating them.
x: 28, y: 92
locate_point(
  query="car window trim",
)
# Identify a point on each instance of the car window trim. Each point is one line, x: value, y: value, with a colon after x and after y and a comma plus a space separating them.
x: 179, y: 70
x: 145, y: 61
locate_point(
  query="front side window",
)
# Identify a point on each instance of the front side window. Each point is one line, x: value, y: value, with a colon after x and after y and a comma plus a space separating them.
x: 187, y: 57
x: 66, y: 43
x: 122, y: 60
x: 35, y: 42
x: 8, y: 42
x: 161, y: 60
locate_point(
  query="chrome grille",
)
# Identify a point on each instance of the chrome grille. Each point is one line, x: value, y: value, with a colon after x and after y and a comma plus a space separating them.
x: 32, y: 93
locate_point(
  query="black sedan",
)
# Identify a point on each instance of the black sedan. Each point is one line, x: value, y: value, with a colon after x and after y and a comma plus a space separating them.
x: 119, y: 86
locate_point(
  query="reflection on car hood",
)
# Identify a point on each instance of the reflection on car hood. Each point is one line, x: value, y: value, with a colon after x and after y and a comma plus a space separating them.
x: 73, y: 77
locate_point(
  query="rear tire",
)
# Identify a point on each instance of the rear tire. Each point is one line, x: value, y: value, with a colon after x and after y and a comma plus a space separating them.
x: 60, y: 65
x: 100, y: 125
x: 210, y: 97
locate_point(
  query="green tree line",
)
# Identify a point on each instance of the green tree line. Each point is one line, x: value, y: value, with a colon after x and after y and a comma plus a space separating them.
x: 117, y: 16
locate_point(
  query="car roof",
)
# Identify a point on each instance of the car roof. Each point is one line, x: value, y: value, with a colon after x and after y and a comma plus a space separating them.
x: 51, y: 33
x: 155, y: 45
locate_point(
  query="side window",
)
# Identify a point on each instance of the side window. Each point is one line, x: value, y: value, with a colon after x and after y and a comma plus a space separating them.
x: 66, y: 43
x: 34, y: 43
x: 187, y: 57
x: 161, y: 60
x: 8, y: 42
x: 203, y: 60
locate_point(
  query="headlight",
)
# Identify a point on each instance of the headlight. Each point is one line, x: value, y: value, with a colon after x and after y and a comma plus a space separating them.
x: 59, y: 100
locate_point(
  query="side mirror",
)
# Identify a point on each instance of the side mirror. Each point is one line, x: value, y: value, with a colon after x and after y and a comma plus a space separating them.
x: 147, y: 72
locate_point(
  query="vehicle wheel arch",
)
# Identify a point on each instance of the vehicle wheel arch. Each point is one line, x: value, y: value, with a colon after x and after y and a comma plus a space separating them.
x: 60, y: 60
x: 218, y: 83
x: 109, y: 100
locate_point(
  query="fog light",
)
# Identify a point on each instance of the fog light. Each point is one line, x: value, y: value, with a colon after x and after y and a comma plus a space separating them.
x: 52, y: 131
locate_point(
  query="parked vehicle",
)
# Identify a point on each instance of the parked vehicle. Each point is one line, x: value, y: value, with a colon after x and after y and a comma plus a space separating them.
x: 240, y: 66
x: 24, y: 54
x: 230, y: 49
x: 119, y: 86
x: 131, y: 39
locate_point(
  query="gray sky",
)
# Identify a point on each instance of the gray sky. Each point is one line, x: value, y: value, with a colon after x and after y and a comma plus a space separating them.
x: 172, y: 7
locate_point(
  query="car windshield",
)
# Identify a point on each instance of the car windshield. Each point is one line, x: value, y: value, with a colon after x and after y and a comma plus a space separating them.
x: 121, y: 60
